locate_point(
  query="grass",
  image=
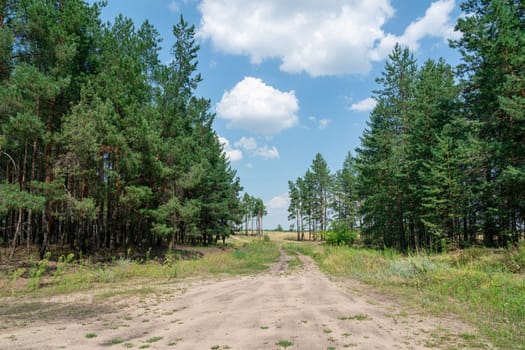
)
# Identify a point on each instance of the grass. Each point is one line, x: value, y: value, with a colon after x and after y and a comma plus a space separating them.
x: 91, y: 335
x: 284, y: 343
x: 115, y: 341
x: 485, y: 287
x: 358, y: 317
x: 244, y: 258
x: 153, y: 340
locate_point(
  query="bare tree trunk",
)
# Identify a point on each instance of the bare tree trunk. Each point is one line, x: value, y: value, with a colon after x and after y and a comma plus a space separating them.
x: 30, y: 212
x: 17, y: 232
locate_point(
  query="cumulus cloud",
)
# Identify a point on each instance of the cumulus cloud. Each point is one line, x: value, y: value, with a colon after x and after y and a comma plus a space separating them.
x: 331, y: 37
x: 234, y: 155
x: 249, y: 144
x: 323, y: 123
x: 173, y: 6
x: 267, y: 152
x: 435, y: 23
x: 365, y: 105
x: 254, y: 106
x: 279, y: 202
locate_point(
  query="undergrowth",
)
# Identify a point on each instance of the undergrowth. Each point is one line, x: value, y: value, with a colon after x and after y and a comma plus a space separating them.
x: 74, y: 275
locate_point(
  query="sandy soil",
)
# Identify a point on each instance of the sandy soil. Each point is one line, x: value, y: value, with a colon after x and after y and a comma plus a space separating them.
x: 301, y: 306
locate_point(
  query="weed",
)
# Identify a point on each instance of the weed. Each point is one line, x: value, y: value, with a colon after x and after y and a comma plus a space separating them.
x: 153, y: 340
x: 284, y: 343
x: 91, y: 335
x: 116, y: 341
x: 264, y: 327
x: 358, y: 317
x: 62, y: 264
x: 13, y: 277
x: 37, y: 271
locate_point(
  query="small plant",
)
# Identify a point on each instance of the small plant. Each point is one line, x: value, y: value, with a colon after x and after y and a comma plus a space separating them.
x: 116, y: 341
x: 14, y: 276
x: 264, y: 327
x: 153, y: 340
x: 91, y: 335
x: 63, y: 262
x: 37, y: 271
x: 358, y: 317
x: 148, y: 254
x: 284, y: 343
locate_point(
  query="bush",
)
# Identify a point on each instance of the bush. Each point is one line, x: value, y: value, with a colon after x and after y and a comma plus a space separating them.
x: 339, y: 234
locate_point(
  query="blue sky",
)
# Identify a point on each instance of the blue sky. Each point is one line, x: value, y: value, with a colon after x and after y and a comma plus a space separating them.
x: 291, y: 78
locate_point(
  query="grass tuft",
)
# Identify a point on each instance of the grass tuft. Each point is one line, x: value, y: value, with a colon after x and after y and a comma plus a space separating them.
x: 284, y: 343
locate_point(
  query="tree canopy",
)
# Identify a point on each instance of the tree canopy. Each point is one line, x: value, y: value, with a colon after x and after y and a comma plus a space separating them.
x: 101, y: 144
x: 442, y: 160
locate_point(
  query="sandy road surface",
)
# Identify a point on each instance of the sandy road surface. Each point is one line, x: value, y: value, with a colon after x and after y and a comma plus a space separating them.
x: 302, y: 307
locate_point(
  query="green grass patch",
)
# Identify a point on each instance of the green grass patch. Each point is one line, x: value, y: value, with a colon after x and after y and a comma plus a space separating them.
x: 153, y: 340
x: 251, y: 257
x: 115, y: 341
x: 91, y: 335
x: 284, y: 343
x: 486, y: 287
x: 143, y: 291
x: 358, y: 317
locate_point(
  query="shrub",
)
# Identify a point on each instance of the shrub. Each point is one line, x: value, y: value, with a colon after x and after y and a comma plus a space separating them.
x: 339, y: 234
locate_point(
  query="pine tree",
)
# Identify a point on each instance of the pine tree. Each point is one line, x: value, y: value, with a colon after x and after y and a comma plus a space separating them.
x: 383, y: 172
x: 345, y: 199
x: 493, y: 47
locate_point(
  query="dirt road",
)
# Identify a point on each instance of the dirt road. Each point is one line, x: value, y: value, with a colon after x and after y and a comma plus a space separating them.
x: 298, y: 309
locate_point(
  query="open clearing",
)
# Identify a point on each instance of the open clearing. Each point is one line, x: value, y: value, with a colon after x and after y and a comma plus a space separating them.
x: 297, y: 308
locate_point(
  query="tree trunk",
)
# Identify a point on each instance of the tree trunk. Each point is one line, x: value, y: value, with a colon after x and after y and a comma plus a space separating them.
x: 17, y: 232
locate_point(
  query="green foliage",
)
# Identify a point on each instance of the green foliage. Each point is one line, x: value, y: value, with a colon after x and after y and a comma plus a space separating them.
x: 96, y: 132
x: 340, y: 234
x: 62, y: 265
x: 284, y: 343
x: 36, y: 272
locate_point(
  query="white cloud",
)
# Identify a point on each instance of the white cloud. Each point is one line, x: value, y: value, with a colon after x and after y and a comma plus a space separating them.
x: 173, y: 6
x: 254, y: 106
x: 435, y: 23
x: 279, y: 202
x: 234, y: 155
x: 365, y: 105
x: 323, y: 123
x: 266, y: 152
x: 248, y: 143
x: 331, y: 37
